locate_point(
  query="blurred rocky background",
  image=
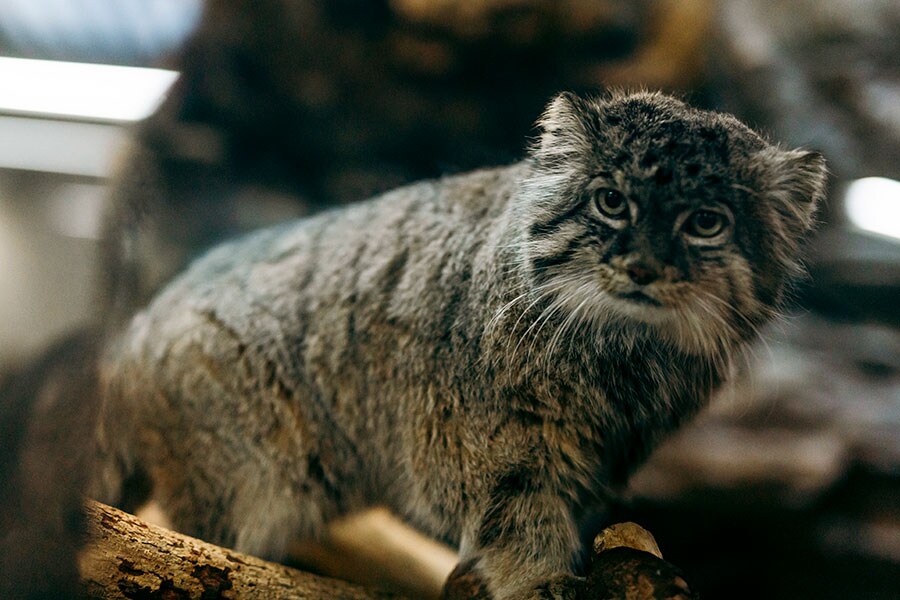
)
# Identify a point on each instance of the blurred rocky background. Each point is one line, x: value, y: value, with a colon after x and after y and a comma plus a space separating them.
x: 788, y: 487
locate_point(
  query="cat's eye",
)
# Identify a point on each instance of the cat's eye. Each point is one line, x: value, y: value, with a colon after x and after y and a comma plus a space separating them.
x: 611, y: 203
x: 705, y: 224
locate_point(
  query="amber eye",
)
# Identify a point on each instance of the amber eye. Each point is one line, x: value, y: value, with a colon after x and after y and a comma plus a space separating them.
x: 611, y: 203
x: 705, y: 224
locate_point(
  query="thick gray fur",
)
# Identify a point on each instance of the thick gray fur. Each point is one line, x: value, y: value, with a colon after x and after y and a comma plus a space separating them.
x: 470, y: 351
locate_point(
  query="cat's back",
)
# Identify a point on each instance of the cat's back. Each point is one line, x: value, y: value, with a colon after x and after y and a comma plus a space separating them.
x: 267, y: 285
x: 408, y: 218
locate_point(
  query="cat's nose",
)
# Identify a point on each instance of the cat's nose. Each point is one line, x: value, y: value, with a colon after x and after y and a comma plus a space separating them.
x: 642, y: 273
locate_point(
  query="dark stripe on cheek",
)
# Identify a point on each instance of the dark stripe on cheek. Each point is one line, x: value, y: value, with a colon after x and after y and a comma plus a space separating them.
x: 542, y: 263
x: 767, y: 284
x: 550, y: 227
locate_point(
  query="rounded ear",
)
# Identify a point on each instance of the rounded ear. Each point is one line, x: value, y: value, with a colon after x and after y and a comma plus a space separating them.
x: 562, y: 111
x: 798, y: 178
x: 562, y: 128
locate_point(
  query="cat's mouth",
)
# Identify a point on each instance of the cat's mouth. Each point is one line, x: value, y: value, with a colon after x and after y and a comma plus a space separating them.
x: 639, y: 297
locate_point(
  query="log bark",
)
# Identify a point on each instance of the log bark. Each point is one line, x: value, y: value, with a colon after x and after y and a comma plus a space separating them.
x: 128, y: 558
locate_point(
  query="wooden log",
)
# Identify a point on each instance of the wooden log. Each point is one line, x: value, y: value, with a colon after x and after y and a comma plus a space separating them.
x: 128, y: 558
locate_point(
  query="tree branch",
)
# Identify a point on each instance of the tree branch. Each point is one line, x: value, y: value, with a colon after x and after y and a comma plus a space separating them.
x: 128, y: 558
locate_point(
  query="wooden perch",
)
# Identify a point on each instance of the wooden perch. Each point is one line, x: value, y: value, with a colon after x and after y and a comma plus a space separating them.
x: 126, y: 557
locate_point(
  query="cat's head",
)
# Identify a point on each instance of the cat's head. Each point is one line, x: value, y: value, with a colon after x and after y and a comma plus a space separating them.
x: 644, y: 210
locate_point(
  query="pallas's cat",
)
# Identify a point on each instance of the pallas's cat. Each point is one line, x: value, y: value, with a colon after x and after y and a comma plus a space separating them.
x: 489, y: 354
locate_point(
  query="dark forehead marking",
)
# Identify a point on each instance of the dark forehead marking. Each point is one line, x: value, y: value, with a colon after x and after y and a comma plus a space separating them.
x: 664, y: 118
x: 680, y: 140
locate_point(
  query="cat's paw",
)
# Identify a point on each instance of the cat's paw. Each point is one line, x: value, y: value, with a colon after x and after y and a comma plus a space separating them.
x: 562, y: 587
x: 465, y: 583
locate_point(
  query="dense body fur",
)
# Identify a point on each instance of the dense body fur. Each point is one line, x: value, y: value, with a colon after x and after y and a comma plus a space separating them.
x: 488, y: 354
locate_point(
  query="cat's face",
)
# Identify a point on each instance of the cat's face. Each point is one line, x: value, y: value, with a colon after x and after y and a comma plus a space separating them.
x: 641, y: 209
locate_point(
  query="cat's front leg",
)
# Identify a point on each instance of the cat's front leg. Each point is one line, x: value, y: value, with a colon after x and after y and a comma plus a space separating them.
x: 522, y: 543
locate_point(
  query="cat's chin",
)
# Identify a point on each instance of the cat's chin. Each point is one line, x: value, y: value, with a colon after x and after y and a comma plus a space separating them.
x: 682, y: 328
x: 640, y: 307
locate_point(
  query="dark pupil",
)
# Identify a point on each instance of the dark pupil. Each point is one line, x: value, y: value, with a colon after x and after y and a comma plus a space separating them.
x: 706, y: 221
x: 613, y: 199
